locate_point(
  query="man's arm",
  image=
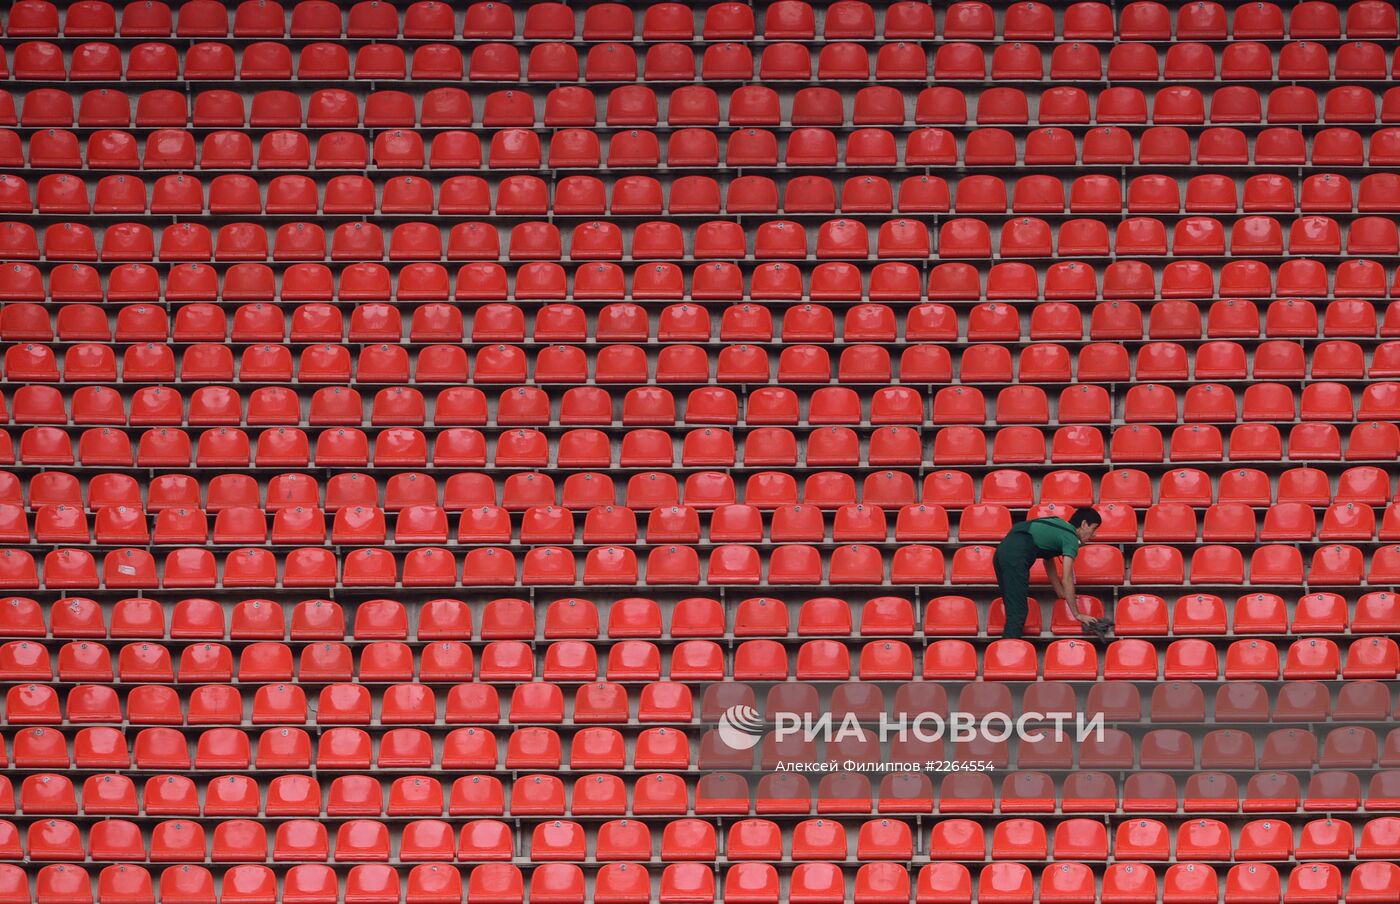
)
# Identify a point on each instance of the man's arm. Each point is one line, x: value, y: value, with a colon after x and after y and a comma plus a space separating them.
x: 1053, y: 568
x: 1066, y: 589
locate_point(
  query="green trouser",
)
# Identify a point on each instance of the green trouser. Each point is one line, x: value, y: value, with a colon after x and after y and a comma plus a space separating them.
x: 1012, y: 564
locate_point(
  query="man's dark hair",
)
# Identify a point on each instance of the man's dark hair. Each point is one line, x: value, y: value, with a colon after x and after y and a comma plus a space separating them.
x: 1085, y: 516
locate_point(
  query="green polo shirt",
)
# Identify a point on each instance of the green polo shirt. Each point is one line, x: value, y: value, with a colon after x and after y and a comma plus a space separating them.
x: 1052, y: 536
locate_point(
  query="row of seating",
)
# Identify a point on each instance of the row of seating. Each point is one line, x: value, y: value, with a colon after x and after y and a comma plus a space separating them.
x: 387, y: 620
x: 575, y: 660
x: 755, y: 839
x: 598, y: 240
x: 642, y: 195
x: 91, y: 351
x: 535, y: 242
x: 706, y: 448
x: 342, y: 747
x: 787, y: 20
x: 86, y: 343
x: 1123, y: 281
x: 1119, y: 491
x: 688, y: 148
x: 610, y: 795
x: 558, y: 61
x: 1237, y: 704
x: 645, y: 449
x: 751, y: 883
x: 420, y: 523
x: 670, y: 61
x: 690, y: 322
x: 632, y: 106
x: 1143, y: 403
x: 752, y: 322
x: 861, y: 367
x: 681, y: 364
x: 738, y: 564
x: 190, y: 567
x: 638, y: 660
x: 664, y: 702
x: 1119, y: 494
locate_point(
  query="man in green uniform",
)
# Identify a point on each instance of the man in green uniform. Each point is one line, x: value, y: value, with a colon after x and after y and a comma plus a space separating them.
x: 1043, y: 538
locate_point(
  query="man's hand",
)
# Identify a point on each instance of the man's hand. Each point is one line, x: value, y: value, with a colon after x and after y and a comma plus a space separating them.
x: 1098, y: 627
